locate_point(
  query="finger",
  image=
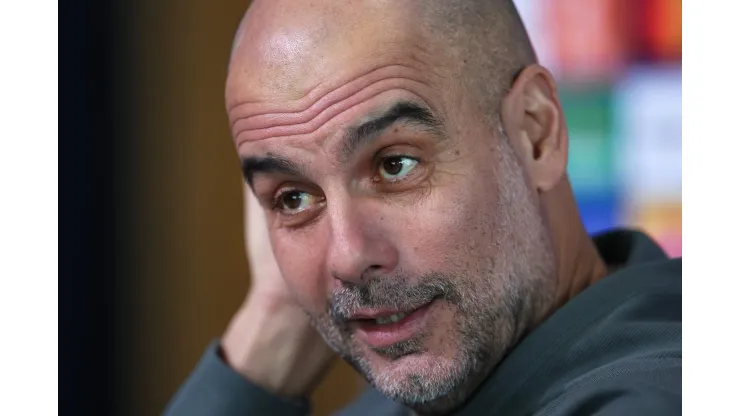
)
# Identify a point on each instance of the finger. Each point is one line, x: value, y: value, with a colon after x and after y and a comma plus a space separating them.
x: 256, y: 223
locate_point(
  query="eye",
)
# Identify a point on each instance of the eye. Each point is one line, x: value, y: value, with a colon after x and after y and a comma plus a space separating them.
x: 293, y: 202
x: 395, y: 168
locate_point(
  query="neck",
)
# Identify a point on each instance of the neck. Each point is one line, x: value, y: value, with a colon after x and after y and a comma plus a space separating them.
x: 579, y: 263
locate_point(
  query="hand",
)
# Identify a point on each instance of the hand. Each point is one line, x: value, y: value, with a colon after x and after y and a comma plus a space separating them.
x: 264, y: 271
x: 270, y: 340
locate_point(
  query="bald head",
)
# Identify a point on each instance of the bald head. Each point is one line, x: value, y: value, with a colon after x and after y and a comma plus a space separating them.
x: 481, y: 42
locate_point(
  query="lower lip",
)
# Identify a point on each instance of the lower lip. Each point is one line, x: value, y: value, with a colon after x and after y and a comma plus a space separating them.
x: 384, y: 335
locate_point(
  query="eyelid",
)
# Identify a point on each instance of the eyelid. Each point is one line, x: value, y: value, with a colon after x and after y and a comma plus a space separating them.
x: 398, y: 156
x: 397, y: 151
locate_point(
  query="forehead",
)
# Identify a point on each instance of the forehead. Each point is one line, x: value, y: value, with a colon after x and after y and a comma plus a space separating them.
x: 288, y: 54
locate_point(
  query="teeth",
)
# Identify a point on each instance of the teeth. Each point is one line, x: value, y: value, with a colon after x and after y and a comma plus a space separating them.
x: 390, y: 319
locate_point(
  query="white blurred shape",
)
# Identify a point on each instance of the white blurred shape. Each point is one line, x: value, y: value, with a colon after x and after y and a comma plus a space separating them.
x: 648, y: 134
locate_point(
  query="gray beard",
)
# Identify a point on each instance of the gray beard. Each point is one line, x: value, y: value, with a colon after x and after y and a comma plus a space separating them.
x: 412, y: 345
x: 482, y: 331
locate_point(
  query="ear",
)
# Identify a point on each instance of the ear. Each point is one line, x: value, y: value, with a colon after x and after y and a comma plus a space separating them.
x: 533, y: 120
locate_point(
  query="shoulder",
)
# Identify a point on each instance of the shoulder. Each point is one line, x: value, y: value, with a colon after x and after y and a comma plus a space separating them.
x: 647, y: 386
x: 630, y: 361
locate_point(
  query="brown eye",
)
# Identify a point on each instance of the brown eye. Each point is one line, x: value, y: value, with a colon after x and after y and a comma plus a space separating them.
x: 396, y: 167
x: 293, y: 202
x: 393, y: 166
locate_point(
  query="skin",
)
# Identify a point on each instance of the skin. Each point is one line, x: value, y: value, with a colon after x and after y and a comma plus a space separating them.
x: 481, y: 217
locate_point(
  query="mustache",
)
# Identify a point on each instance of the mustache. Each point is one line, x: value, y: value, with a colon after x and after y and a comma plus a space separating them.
x: 397, y: 292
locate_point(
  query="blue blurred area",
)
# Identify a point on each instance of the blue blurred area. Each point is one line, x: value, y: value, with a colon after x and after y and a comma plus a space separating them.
x: 599, y: 211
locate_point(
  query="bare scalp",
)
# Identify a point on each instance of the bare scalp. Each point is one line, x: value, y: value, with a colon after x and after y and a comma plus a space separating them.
x: 289, y: 51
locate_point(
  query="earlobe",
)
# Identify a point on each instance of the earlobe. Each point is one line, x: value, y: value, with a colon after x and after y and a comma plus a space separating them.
x: 533, y: 120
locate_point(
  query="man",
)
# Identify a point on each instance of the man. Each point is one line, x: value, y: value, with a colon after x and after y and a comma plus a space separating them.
x: 409, y: 159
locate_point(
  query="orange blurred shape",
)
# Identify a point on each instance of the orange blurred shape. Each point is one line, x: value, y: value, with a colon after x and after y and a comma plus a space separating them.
x: 663, y: 28
x: 661, y: 221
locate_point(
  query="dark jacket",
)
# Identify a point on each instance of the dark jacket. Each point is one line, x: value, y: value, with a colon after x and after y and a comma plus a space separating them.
x: 614, y: 349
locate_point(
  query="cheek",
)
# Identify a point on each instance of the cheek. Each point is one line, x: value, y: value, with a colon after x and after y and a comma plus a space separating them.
x: 302, y: 268
x: 449, y: 229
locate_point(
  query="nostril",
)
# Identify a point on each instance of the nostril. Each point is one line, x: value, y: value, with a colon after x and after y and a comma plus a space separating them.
x: 370, y: 271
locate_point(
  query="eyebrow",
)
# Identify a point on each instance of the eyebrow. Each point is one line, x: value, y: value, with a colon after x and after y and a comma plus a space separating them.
x: 355, y: 139
x: 407, y: 111
x: 268, y: 164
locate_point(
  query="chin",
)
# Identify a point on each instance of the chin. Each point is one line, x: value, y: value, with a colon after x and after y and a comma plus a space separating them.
x: 426, y: 380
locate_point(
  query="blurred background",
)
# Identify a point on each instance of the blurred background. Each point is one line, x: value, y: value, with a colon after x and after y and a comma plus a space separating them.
x: 618, y: 67
x: 155, y: 266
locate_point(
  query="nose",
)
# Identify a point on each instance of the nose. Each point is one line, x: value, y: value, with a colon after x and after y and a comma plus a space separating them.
x: 360, y: 245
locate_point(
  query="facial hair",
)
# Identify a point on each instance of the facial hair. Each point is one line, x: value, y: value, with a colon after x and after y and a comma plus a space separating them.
x: 494, y: 301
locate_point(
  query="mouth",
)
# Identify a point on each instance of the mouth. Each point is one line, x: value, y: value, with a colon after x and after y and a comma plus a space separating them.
x: 382, y: 328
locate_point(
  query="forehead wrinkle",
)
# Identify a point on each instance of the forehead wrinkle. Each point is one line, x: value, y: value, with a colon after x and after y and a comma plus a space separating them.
x: 277, y: 119
x: 304, y: 139
x: 313, y: 125
x: 315, y: 102
x: 312, y: 96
